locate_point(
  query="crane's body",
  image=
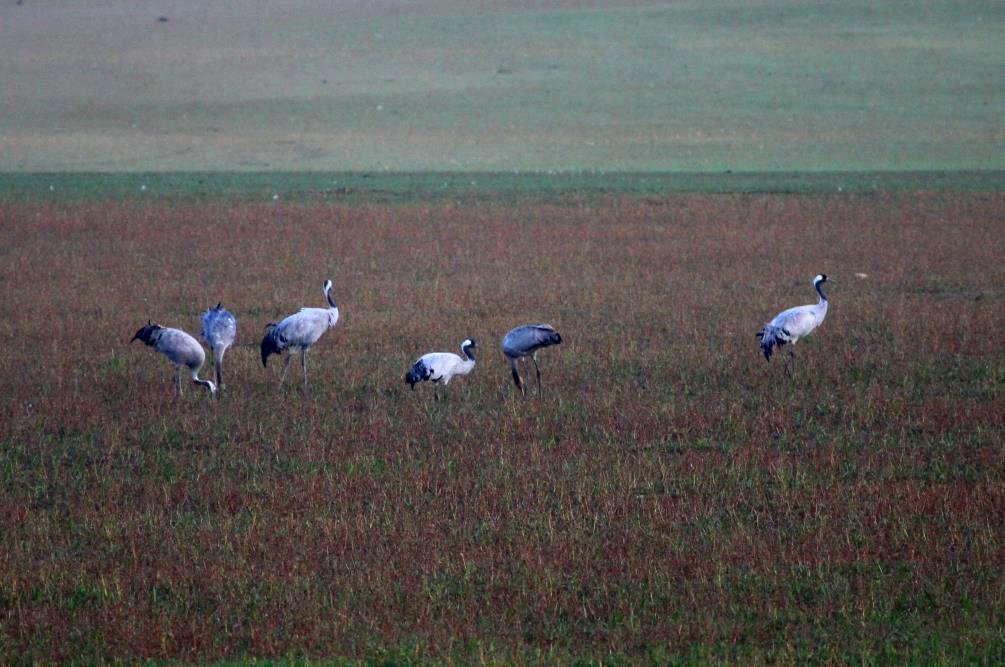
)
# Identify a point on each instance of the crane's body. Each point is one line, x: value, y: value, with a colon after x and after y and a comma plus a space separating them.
x: 788, y: 326
x: 297, y: 332
x: 440, y: 367
x: 180, y: 348
x: 219, y: 329
x: 523, y: 342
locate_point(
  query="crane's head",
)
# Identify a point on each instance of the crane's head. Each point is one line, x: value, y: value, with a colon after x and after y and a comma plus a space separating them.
x: 821, y: 278
x: 328, y: 297
x: 468, y: 342
x: 146, y: 333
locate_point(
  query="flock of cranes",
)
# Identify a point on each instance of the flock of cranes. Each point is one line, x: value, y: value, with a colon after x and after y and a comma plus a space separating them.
x: 299, y: 331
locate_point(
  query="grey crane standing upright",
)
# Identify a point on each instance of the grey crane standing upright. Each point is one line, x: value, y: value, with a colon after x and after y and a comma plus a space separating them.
x: 524, y: 341
x: 297, y: 332
x: 219, y: 328
x: 178, y: 346
x: 439, y: 367
x: 788, y: 326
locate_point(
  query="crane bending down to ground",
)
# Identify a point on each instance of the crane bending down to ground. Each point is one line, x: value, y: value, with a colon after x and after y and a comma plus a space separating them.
x: 181, y: 348
x: 298, y: 332
x: 219, y: 328
x: 524, y: 341
x: 441, y: 366
x: 790, y: 325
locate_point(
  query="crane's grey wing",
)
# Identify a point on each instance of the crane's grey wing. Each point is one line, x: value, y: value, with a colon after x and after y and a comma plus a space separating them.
x: 219, y: 327
x: 207, y: 320
x: 528, y: 338
x: 304, y: 328
x: 180, y: 348
x: 795, y: 322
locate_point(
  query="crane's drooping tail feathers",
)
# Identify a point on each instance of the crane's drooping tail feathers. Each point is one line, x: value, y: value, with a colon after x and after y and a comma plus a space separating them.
x: 418, y: 373
x: 770, y: 337
x: 208, y: 319
x: 271, y: 344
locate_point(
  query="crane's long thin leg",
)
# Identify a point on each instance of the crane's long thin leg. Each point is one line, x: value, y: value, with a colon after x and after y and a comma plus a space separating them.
x: 790, y: 361
x: 521, y: 385
x: 218, y: 364
x: 537, y: 368
x: 516, y: 376
x: 177, y: 379
x: 286, y: 366
x: 303, y: 362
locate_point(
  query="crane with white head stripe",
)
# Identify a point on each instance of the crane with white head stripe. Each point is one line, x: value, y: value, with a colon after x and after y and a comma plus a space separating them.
x: 788, y: 326
x: 297, y: 332
x: 440, y: 367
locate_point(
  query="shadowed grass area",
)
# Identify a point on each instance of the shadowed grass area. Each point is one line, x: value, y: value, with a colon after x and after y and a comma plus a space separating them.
x: 671, y: 498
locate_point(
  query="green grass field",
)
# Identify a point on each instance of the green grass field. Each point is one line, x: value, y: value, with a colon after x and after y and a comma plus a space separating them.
x: 502, y: 86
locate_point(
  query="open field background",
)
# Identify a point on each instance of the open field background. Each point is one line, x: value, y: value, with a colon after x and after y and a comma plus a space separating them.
x: 672, y: 494
x: 501, y: 85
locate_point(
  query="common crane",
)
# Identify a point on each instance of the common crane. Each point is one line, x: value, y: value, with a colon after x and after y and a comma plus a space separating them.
x: 441, y: 366
x: 178, y: 346
x: 297, y: 332
x: 790, y: 325
x: 524, y: 341
x: 219, y: 328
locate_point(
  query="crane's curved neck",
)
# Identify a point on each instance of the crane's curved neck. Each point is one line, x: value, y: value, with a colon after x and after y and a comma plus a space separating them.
x: 820, y: 291
x: 467, y: 352
x: 331, y: 301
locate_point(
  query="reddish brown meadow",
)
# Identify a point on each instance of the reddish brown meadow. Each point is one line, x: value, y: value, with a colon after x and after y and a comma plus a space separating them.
x: 672, y: 495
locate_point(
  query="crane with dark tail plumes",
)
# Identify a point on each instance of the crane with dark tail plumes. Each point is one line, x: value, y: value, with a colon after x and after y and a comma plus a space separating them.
x: 297, y: 332
x: 523, y: 342
x: 180, y: 348
x: 219, y: 328
x: 439, y: 367
x: 788, y: 326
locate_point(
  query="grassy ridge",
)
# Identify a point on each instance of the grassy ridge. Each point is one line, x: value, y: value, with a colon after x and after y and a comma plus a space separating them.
x: 671, y: 497
x: 390, y: 187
